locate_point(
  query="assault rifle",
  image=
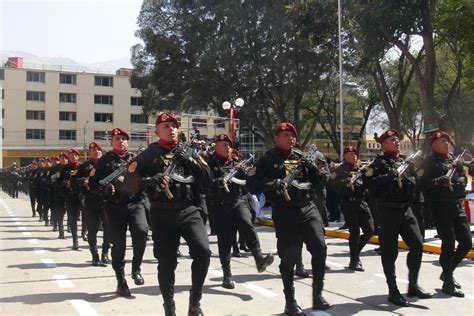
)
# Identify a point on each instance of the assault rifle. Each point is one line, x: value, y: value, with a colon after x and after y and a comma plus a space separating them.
x: 170, y: 170
x: 114, y: 175
x: 404, y: 167
x: 231, y: 174
x: 290, y: 177
x: 451, y: 171
x: 359, y: 173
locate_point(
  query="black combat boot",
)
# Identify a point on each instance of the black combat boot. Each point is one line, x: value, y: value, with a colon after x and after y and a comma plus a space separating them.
x: 170, y: 308
x: 137, y: 277
x: 414, y: 290
x: 291, y: 306
x: 122, y: 286
x: 394, y: 295
x: 75, y: 243
x: 227, y: 281
x: 95, y: 258
x: 319, y: 303
x: 456, y: 284
x: 356, y: 265
x: 194, y: 305
x: 235, y: 250
x: 449, y: 286
x: 261, y: 261
x: 105, y: 258
x: 61, y: 230
x: 300, y: 271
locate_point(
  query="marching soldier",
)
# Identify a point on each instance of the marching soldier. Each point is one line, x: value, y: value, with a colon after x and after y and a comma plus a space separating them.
x: 42, y: 189
x: 230, y: 206
x: 296, y: 219
x: 394, y: 193
x: 445, y: 196
x: 94, y: 207
x: 122, y: 209
x: 30, y: 177
x: 354, y: 204
x: 175, y: 209
x: 58, y: 208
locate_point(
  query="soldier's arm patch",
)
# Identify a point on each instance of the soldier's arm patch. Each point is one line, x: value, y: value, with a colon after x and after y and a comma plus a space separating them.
x: 370, y: 172
x: 333, y: 175
x: 58, y: 174
x: 92, y: 172
x: 133, y: 166
x: 420, y: 172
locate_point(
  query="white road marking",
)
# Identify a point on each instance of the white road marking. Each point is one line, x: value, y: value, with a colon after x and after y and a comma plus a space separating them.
x: 398, y: 279
x: 49, y: 263
x: 21, y: 228
x: 62, y: 281
x: 15, y: 218
x: 40, y: 251
x: 83, y: 308
x: 33, y: 241
x: 469, y: 297
x: 259, y: 290
x: 320, y: 313
x: 331, y: 263
x: 26, y: 233
x: 216, y: 272
x: 17, y: 223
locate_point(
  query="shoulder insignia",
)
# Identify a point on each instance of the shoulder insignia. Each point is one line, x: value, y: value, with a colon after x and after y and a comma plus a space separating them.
x: 420, y: 172
x: 202, y: 160
x: 47, y: 173
x: 333, y: 175
x: 370, y: 172
x: 58, y: 174
x: 252, y: 171
x: 92, y: 172
x: 133, y: 166
x: 73, y: 172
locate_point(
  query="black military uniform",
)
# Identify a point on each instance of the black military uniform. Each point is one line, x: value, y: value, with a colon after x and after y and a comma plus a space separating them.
x: 396, y: 217
x: 232, y: 213
x: 176, y: 215
x: 30, y: 178
x: 122, y: 209
x: 296, y: 220
x: 42, y: 180
x: 356, y: 209
x: 58, y: 209
x: 446, y: 204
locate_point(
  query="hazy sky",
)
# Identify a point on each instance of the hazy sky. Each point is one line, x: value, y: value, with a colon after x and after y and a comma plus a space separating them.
x: 83, y: 30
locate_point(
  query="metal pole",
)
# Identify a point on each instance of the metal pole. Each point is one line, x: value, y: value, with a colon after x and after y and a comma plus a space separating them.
x: 341, y: 102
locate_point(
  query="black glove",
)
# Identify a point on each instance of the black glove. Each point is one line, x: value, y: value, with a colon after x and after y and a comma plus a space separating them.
x: 443, y: 180
x: 308, y: 164
x: 277, y: 184
x: 152, y: 181
x: 109, y: 190
x: 393, y: 173
x: 183, y: 152
x: 460, y: 168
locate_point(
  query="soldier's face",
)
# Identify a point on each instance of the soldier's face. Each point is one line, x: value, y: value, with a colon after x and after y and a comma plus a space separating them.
x: 391, y: 144
x: 63, y: 160
x: 441, y: 146
x: 167, y: 131
x: 350, y: 157
x: 223, y: 149
x: 95, y: 153
x: 73, y: 157
x: 285, y: 140
x: 120, y: 142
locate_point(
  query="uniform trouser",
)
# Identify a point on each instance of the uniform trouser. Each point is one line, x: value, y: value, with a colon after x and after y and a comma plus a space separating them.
x: 43, y: 203
x: 73, y: 208
x: 58, y: 210
x: 167, y: 226
x: 117, y: 217
x: 93, y: 215
x: 452, y: 225
x: 322, y: 209
x: 394, y: 221
x: 294, y: 225
x: 230, y: 218
x: 417, y: 208
x: 32, y: 194
x: 358, y: 217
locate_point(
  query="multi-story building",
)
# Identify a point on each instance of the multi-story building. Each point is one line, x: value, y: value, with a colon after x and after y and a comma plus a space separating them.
x: 47, y: 109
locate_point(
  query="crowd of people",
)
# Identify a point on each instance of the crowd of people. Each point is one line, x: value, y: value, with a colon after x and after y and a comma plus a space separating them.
x: 175, y: 186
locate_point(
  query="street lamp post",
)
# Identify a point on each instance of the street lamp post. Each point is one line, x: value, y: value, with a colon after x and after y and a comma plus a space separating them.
x: 226, y: 105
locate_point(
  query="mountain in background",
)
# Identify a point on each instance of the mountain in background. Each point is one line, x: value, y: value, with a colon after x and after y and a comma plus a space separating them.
x: 28, y: 58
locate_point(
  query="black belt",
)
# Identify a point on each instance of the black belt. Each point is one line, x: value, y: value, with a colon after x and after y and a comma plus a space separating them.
x: 171, y: 205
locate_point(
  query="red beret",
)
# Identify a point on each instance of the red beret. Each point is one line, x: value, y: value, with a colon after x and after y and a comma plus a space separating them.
x: 63, y: 154
x: 95, y: 145
x: 55, y: 158
x: 166, y: 117
x: 438, y: 135
x: 119, y: 131
x: 41, y: 159
x: 350, y: 149
x: 285, y: 126
x: 74, y: 151
x: 389, y: 133
x: 224, y: 138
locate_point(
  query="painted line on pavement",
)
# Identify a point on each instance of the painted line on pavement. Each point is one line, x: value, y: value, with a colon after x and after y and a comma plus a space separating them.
x: 469, y: 297
x: 259, y: 290
x: 49, y: 263
x: 83, y: 308
x: 26, y: 233
x: 21, y: 228
x: 40, y: 251
x: 63, y: 281
x: 331, y: 263
x: 14, y: 219
x: 320, y: 313
x: 398, y: 279
x: 33, y: 241
x: 17, y: 223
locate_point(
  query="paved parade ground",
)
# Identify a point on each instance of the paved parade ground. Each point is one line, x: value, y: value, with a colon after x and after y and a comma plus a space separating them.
x: 40, y: 275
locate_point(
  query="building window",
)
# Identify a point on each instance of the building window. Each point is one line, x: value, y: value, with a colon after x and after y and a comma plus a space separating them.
x: 3, y: 133
x: 140, y: 136
x: 67, y: 97
x: 104, y: 99
x: 67, y: 78
x: 196, y: 122
x: 35, y: 115
x: 138, y: 118
x: 3, y: 94
x: 67, y: 116
x: 34, y: 133
x: 2, y: 74
x: 35, y: 76
x: 35, y: 96
x: 104, y: 81
x: 101, y: 135
x: 219, y: 123
x: 3, y: 113
x: 69, y: 134
x: 103, y: 117
x: 137, y: 101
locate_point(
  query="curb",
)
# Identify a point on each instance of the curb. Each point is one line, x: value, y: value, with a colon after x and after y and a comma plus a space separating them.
x: 427, y: 247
